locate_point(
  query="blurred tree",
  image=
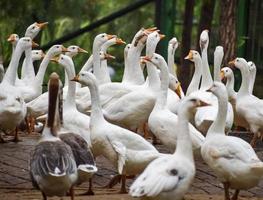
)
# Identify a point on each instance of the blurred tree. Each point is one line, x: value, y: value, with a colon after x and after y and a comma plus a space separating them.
x: 227, y: 29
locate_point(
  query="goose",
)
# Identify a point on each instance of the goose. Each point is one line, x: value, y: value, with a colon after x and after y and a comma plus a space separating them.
x: 170, y: 176
x: 104, y: 67
x: 227, y: 73
x: 75, y: 128
x: 233, y: 160
x: 127, y: 151
x: 206, y: 115
x: 37, y: 107
x: 34, y: 29
x: 53, y: 168
x: 253, y: 73
x: 248, y: 107
x: 2, y: 69
x: 12, y: 104
x: 162, y: 122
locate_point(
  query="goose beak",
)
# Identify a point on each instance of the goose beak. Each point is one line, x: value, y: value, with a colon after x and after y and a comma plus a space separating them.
x: 109, y: 37
x: 80, y: 50
x: 64, y: 49
x: 152, y: 29
x: 178, y: 90
x: 161, y: 36
x: 109, y: 56
x: 76, y: 78
x: 120, y: 41
x: 42, y: 25
x: 34, y: 44
x: 202, y: 104
x: 142, y: 61
x: 146, y: 59
x: 11, y: 38
x: 55, y: 59
x: 189, y: 56
x: 222, y: 75
x: 232, y: 63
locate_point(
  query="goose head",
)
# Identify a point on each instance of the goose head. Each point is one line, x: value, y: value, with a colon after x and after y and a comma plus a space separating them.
x: 37, y: 55
x: 193, y: 56
x: 13, y: 39
x: 34, y: 29
x: 175, y: 85
x: 56, y: 49
x: 152, y: 41
x: 219, y: 90
x: 112, y: 41
x: 219, y: 53
x: 26, y: 43
x: 239, y: 63
x: 74, y: 50
x: 102, y: 38
x: 63, y: 60
x: 173, y: 45
x: 226, y: 72
x: 252, y: 66
x: 141, y: 35
x: 85, y: 78
x: 204, y: 40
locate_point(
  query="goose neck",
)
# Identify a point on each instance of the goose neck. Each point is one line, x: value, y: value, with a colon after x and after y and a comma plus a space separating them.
x: 252, y: 81
x: 218, y: 126
x: 170, y: 60
x: 206, y: 76
x: 96, y: 63
x: 230, y: 84
x: 27, y: 67
x: 194, y: 84
x: 244, y: 88
x: 42, y: 68
x: 70, y: 99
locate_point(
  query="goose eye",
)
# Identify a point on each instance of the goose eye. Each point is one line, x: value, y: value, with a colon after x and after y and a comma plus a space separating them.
x: 102, y: 36
x: 33, y: 27
x: 237, y: 60
x: 156, y: 58
x: 73, y: 47
x: 226, y: 70
x: 195, y: 53
x: 36, y: 52
x: 57, y: 47
x: 18, y: 99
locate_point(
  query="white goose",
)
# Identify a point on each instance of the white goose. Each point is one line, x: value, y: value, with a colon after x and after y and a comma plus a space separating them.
x: 127, y: 151
x: 2, y: 70
x: 12, y: 105
x: 170, y: 176
x: 249, y: 108
x: 227, y: 73
x: 232, y: 159
x: 162, y: 122
x: 53, y: 169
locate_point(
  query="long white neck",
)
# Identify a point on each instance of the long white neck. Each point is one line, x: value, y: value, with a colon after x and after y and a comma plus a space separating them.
x: 252, y: 81
x: 243, y: 90
x: 132, y: 71
x: 27, y: 67
x: 153, y: 76
x: 230, y: 82
x: 170, y: 60
x: 11, y: 72
x: 96, y: 111
x: 183, y: 143
x: 217, y: 63
x: 218, y: 126
x: 105, y: 73
x: 42, y: 68
x: 70, y: 99
x: 194, y: 84
x: 96, y: 62
x: 162, y: 96
x: 206, y: 75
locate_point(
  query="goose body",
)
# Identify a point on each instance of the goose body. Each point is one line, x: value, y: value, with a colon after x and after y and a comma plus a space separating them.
x: 232, y: 159
x: 53, y: 169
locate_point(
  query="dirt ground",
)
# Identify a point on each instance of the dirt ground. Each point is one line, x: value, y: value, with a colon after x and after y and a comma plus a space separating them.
x: 15, y: 182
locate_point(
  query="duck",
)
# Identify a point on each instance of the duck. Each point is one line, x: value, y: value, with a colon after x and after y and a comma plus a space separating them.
x: 129, y: 152
x: 248, y: 107
x: 170, y: 176
x: 12, y: 104
x: 162, y: 122
x: 53, y: 168
x: 232, y: 159
x: 253, y: 73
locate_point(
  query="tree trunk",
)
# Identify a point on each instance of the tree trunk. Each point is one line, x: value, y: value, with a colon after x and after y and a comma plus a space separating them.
x: 206, y: 18
x: 228, y: 29
x: 184, y: 70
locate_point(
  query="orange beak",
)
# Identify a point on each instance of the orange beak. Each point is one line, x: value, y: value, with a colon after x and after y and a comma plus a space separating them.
x: 189, y: 56
x: 222, y: 75
x: 109, y: 37
x: 76, y: 78
x: 64, y: 49
x: 11, y: 38
x: 80, y: 50
x: 55, y: 59
x: 152, y: 29
x: 161, y: 36
x: 34, y: 44
x: 42, y: 25
x: 120, y: 41
x: 178, y: 90
x: 146, y: 58
x: 232, y: 63
x: 108, y: 56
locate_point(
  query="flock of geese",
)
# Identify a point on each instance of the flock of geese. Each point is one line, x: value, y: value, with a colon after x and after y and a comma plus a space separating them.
x: 89, y: 116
